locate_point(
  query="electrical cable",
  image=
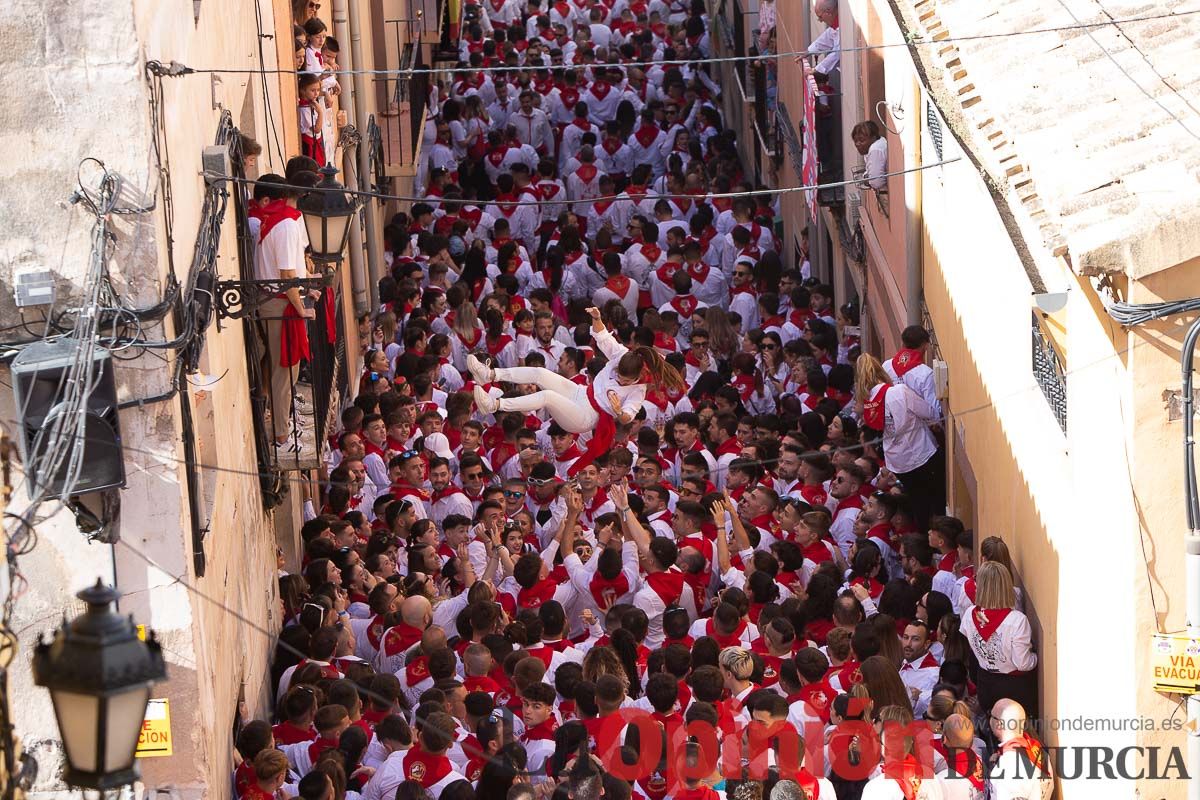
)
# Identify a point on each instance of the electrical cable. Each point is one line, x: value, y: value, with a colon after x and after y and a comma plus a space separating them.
x: 175, y: 69
x: 603, y: 198
x: 942, y: 420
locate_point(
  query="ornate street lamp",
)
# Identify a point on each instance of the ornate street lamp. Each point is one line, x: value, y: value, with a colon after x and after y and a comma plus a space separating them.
x: 327, y: 211
x: 99, y: 675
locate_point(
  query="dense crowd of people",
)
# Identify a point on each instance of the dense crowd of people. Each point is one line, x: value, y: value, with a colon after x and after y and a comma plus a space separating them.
x: 616, y: 476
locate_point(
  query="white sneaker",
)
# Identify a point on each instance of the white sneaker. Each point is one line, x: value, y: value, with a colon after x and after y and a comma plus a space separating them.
x: 484, y: 401
x: 481, y: 372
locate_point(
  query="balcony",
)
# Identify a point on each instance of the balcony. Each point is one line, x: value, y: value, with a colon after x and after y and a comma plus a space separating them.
x: 322, y: 383
x: 404, y: 96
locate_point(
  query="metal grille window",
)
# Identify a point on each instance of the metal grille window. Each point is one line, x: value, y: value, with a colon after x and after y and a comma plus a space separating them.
x: 933, y: 122
x: 1049, y: 372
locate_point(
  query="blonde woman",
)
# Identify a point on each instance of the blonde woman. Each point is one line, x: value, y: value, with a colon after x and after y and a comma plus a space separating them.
x: 1001, y: 639
x: 992, y: 548
x: 910, y: 450
x: 466, y: 334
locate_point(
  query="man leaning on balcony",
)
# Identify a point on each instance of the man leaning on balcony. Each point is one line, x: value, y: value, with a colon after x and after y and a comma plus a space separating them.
x: 282, y: 241
x: 829, y: 43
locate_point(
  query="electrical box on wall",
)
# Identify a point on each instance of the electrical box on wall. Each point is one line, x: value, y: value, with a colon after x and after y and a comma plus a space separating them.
x: 33, y: 287
x: 941, y: 379
x: 215, y: 163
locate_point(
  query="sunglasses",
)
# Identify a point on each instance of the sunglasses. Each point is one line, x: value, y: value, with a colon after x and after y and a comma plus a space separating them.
x: 513, y: 495
x: 539, y: 481
x: 770, y: 347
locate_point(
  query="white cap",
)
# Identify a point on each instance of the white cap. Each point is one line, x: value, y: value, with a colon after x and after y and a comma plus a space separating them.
x: 439, y: 445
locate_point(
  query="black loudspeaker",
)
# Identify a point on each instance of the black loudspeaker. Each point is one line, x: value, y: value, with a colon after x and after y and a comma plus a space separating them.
x: 39, y: 386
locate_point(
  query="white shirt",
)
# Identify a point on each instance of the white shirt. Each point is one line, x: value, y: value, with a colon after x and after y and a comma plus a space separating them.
x: 829, y: 40
x: 877, y: 163
x: 882, y: 787
x: 282, y: 249
x: 648, y: 600
x: 921, y: 674
x: 1010, y: 779
x: 1010, y: 648
x: 920, y: 380
x: 907, y: 442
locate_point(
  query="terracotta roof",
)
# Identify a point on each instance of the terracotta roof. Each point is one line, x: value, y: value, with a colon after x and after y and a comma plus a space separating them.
x: 1108, y: 176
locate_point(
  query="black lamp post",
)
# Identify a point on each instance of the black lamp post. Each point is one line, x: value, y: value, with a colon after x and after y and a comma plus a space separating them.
x: 99, y: 675
x: 327, y: 214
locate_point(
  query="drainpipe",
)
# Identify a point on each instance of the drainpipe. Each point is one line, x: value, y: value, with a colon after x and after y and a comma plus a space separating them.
x: 374, y: 246
x: 914, y: 222
x: 358, y: 275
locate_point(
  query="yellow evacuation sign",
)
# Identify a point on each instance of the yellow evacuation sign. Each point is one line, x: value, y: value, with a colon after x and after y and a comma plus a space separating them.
x: 155, y: 736
x: 1175, y: 661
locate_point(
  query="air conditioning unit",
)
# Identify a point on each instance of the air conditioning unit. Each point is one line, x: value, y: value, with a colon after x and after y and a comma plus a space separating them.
x: 853, y: 207
x: 941, y: 379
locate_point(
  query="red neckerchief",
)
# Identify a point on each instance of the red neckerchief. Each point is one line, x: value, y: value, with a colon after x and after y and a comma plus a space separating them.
x: 612, y: 145
x: 819, y: 696
x: 601, y: 206
x: 1031, y: 747
x: 472, y: 215
x: 425, y: 768
x: 946, y: 562
x: 850, y: 674
x: 606, y: 592
x: 928, y: 662
x: 874, y: 587
x: 543, y: 731
x: 699, y: 271
x: 684, y: 204
x: 582, y: 124
x: 481, y: 683
x: 667, y: 585
x: 402, y: 490
x: 538, y: 594
x: 600, y: 90
x: 548, y: 189
x: 730, y: 446
x: 773, y: 322
x: 965, y: 764
x: 725, y: 640
x: 320, y: 745
x: 506, y: 203
x: 745, y: 386
x: 685, y: 304
x: 637, y: 193
x: 587, y: 172
x: 287, y: 733
x: 417, y: 670
x: 497, y: 155
x: 906, y: 360
x: 987, y: 620
x: 497, y: 5
x: 617, y: 284
x: 494, y: 348
x: 569, y: 96
x: 274, y: 213
x: 647, y: 135
x: 873, y: 408
x: 399, y: 638
x: 768, y: 523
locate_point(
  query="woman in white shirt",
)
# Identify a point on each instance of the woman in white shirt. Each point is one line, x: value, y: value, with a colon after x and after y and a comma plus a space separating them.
x: 910, y: 450
x: 1001, y: 639
x: 613, y: 397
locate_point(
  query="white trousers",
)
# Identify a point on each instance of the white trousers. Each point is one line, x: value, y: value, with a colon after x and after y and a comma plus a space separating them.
x: 566, y: 400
